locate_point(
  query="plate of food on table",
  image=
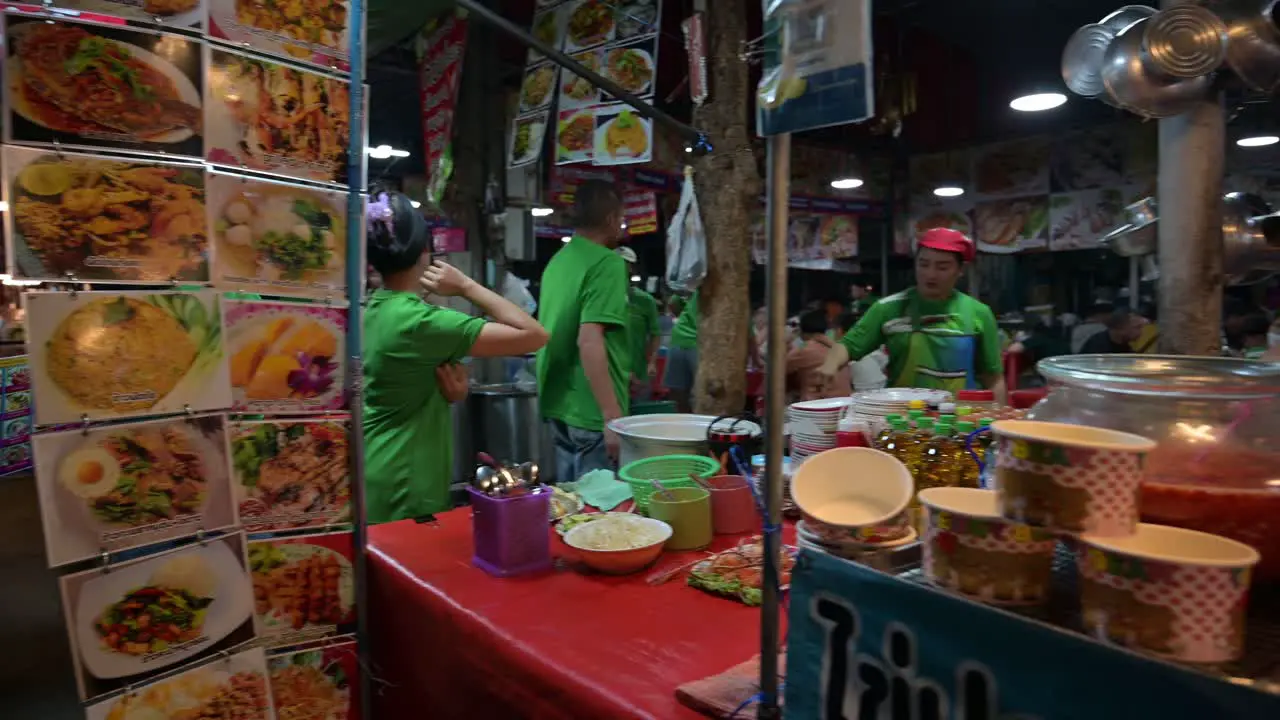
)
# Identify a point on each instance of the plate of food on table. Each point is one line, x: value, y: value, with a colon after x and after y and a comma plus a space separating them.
x: 738, y: 572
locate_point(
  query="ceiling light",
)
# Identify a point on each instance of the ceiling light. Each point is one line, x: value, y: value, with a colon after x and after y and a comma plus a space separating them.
x: 566, y: 238
x: 635, y: 278
x: 948, y: 191
x: 1258, y: 141
x: 415, y: 203
x: 1038, y: 102
x: 382, y: 152
x: 540, y: 211
x: 19, y: 283
x: 4, y: 206
x: 847, y: 183
x: 623, y: 226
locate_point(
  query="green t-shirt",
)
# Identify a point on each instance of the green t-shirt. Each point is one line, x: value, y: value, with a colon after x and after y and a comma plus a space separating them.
x: 408, y: 432
x: 684, y: 334
x: 947, y: 344
x: 642, y: 326
x: 584, y: 283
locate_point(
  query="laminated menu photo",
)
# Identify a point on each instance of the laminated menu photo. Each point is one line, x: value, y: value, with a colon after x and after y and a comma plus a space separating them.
x: 124, y: 486
x: 320, y: 683
x: 311, y: 31
x: 138, y: 90
x: 303, y: 587
x: 186, y: 14
x: 291, y: 474
x: 109, y: 355
x: 234, y: 686
x: 277, y: 238
x: 133, y: 621
x: 286, y: 356
x: 91, y: 217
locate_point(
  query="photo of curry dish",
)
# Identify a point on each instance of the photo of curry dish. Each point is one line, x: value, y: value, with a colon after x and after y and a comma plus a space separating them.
x: 76, y: 80
x: 631, y: 68
x: 277, y: 238
x: 98, y: 219
x: 276, y: 118
x: 316, y: 22
x: 111, y: 355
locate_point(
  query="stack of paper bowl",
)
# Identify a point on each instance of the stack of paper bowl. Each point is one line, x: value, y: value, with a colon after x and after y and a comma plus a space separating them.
x: 854, y: 500
x: 813, y: 425
x: 757, y: 481
x: 874, y: 405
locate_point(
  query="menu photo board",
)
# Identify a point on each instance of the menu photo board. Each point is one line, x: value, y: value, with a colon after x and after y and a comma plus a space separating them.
x: 104, y: 219
x: 291, y: 474
x: 296, y: 125
x: 312, y: 32
x: 230, y: 686
x: 203, y: 590
x: 15, y: 415
x: 122, y: 486
x: 47, y: 81
x: 318, y: 683
x: 112, y: 355
x: 286, y: 357
x: 303, y: 587
x: 184, y: 14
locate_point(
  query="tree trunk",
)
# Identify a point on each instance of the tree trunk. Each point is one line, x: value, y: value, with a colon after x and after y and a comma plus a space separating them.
x: 728, y: 183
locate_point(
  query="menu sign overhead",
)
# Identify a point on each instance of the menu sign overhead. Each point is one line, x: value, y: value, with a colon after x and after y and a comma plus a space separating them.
x: 442, y: 45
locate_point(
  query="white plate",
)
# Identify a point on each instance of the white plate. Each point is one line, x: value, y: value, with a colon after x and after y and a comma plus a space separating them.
x: 187, y: 92
x: 823, y: 405
x: 231, y: 606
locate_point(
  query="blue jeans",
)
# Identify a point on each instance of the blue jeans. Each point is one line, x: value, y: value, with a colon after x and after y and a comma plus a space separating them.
x: 578, y: 451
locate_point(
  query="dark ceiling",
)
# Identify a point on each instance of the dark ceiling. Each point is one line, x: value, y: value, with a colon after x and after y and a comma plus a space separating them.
x: 969, y: 58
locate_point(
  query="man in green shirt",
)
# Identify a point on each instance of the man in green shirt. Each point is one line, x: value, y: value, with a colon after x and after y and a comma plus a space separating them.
x: 584, y: 372
x: 411, y: 351
x: 937, y: 337
x: 682, y: 356
x: 642, y: 329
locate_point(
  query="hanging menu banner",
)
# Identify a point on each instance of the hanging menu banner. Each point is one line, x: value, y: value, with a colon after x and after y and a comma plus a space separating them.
x: 537, y: 89
x: 442, y: 45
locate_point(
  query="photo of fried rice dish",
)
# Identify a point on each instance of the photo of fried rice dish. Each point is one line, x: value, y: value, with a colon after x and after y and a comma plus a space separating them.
x: 201, y: 694
x: 110, y: 220
x: 317, y: 22
x: 71, y: 80
x: 537, y: 87
x: 283, y: 116
x: 126, y: 353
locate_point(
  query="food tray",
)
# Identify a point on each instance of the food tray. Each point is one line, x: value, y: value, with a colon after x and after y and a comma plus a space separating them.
x: 1258, y: 668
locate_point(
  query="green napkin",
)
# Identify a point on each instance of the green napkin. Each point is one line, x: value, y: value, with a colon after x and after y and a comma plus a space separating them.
x: 600, y: 489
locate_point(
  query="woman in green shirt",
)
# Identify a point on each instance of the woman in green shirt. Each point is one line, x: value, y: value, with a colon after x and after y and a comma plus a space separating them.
x: 411, y: 354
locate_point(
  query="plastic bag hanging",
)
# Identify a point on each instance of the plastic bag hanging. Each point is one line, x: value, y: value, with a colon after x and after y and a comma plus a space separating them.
x: 686, y: 242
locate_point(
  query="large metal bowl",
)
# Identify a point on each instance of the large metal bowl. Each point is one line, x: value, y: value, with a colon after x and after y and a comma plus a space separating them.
x: 646, y: 436
x: 1136, y: 86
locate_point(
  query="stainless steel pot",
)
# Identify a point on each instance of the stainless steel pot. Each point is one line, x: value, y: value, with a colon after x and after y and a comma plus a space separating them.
x: 1137, y: 236
x: 1136, y: 85
x: 1085, y: 51
x: 1248, y: 254
x: 646, y: 436
x: 1253, y: 41
x: 506, y: 422
x: 1185, y: 41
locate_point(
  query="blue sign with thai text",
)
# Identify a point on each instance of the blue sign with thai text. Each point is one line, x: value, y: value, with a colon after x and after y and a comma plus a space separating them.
x: 863, y: 645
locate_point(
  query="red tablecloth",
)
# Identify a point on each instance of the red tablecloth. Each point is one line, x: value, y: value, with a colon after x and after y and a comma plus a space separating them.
x: 454, y: 642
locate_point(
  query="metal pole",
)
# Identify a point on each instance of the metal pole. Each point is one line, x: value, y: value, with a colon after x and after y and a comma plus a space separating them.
x: 577, y: 68
x: 777, y: 199
x: 354, y: 343
x: 1192, y: 159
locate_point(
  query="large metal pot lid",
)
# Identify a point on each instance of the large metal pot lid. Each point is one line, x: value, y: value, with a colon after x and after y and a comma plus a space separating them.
x: 678, y: 426
x: 502, y: 389
x: 1174, y: 375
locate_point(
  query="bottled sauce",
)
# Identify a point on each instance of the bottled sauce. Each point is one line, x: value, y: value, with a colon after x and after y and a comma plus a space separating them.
x: 982, y: 401
x: 898, y: 439
x: 938, y: 460
x: 915, y: 410
x: 916, y: 442
x: 883, y: 438
x: 852, y: 433
x: 968, y: 473
x: 947, y: 418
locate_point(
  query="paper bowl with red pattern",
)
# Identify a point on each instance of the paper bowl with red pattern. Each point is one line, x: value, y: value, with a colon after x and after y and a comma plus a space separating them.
x: 1175, y: 593
x: 891, y: 530
x: 970, y: 549
x: 1069, y: 478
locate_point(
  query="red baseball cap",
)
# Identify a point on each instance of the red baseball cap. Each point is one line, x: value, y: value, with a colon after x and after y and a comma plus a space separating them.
x: 947, y: 240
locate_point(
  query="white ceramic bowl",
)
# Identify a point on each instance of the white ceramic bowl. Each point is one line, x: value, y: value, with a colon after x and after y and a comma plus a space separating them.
x: 618, y: 562
x: 852, y: 487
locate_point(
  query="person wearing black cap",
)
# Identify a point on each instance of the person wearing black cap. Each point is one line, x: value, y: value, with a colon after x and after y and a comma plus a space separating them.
x: 937, y: 336
x: 411, y: 354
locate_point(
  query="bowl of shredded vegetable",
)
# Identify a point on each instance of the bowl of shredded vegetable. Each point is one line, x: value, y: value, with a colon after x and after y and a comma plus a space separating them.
x: 619, y: 543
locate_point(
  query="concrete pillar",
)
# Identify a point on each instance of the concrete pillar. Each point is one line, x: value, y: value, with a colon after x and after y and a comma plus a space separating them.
x: 1192, y: 152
